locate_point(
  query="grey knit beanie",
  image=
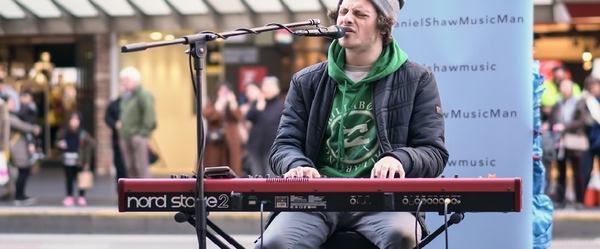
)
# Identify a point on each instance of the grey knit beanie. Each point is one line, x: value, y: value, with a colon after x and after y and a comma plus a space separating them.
x: 389, y: 8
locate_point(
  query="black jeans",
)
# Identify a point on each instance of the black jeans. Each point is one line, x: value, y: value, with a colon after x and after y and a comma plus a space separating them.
x: 71, y: 175
x: 21, y: 183
x: 118, y: 161
x: 575, y: 158
x: 588, y: 164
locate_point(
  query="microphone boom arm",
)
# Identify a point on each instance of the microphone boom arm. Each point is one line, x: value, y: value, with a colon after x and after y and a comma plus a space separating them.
x: 189, y: 39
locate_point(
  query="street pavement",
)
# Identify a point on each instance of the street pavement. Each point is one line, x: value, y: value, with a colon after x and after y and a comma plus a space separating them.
x: 47, y: 186
x: 64, y: 241
x: 70, y: 241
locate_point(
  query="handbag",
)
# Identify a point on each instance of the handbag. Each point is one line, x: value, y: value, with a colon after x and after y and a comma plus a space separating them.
x: 85, y: 180
x: 4, y: 174
x: 216, y: 135
x: 576, y: 142
x: 549, y: 146
x: 152, y: 156
x: 70, y: 158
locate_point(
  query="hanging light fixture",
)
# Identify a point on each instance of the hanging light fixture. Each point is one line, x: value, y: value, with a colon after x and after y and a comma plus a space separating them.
x: 155, y: 36
x: 586, y: 55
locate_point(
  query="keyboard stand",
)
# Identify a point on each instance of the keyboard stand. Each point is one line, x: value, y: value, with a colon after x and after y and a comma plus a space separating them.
x: 455, y: 218
x: 189, y: 218
x: 181, y: 217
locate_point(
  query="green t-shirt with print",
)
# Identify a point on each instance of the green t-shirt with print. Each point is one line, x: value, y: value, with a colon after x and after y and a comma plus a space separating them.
x: 350, y: 146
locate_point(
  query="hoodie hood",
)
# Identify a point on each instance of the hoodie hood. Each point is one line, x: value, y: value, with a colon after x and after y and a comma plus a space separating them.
x: 391, y: 58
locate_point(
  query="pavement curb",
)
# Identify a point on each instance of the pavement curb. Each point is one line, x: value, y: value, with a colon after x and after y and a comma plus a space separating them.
x: 107, y: 220
x: 109, y: 212
x: 94, y: 220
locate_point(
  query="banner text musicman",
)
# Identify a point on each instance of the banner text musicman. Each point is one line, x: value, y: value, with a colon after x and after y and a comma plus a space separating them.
x: 462, y: 21
x: 481, y: 114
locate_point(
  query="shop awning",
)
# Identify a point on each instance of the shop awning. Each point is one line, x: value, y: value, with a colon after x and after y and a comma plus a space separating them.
x: 30, y: 17
x: 567, y: 11
x: 584, y: 12
x: 26, y: 17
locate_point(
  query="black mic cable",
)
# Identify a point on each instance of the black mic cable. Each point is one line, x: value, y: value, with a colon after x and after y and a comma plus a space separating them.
x: 262, y: 228
x: 417, y: 222
x: 192, y: 73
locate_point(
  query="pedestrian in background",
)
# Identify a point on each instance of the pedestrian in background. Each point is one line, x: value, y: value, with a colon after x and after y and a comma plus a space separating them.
x: 252, y: 93
x: 78, y: 146
x: 572, y: 143
x: 136, y: 123
x: 111, y: 118
x: 20, y: 152
x: 6, y: 183
x: 29, y: 114
x: 223, y: 140
x: 264, y: 116
x: 6, y: 89
x: 587, y: 116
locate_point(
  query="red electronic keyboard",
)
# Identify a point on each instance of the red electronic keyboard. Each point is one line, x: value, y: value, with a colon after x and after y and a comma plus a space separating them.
x: 323, y: 194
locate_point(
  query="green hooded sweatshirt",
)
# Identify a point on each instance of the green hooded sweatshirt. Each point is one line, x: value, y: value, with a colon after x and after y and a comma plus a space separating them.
x: 351, y: 150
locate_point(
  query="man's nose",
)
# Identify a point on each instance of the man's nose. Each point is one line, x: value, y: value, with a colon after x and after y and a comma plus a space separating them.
x: 348, y: 18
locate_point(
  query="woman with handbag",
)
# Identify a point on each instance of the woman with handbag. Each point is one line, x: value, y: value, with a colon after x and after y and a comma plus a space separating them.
x: 223, y: 140
x: 573, y: 143
x: 77, y: 146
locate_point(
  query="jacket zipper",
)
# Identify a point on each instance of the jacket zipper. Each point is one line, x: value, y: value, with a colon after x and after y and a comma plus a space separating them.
x: 375, y: 119
x: 327, y: 118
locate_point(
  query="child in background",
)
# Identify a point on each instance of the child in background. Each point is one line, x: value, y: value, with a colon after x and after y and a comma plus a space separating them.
x: 77, y: 146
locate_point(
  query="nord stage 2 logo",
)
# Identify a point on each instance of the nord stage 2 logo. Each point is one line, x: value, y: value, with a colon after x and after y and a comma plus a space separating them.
x: 173, y: 201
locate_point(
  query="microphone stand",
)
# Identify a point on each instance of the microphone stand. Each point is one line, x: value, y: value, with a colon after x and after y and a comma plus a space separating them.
x: 197, y: 43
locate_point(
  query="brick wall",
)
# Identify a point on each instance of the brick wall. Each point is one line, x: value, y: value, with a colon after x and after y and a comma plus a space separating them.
x: 101, y: 101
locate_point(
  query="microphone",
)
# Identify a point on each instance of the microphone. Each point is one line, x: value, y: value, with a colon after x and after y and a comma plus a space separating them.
x: 334, y: 32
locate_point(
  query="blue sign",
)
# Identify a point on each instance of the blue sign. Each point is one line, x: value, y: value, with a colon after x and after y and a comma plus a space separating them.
x: 481, y: 54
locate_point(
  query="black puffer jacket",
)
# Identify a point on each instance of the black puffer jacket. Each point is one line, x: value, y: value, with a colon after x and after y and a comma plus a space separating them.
x: 410, y: 122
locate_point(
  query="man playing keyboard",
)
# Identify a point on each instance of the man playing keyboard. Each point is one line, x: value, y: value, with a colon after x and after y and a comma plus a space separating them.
x: 367, y: 111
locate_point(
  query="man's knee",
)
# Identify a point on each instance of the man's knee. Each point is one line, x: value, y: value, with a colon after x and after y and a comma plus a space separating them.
x: 400, y: 239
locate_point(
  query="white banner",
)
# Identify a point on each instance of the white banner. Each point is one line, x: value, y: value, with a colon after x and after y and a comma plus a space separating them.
x: 481, y: 55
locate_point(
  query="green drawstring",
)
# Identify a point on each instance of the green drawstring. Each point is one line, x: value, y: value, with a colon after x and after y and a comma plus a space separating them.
x: 341, y: 149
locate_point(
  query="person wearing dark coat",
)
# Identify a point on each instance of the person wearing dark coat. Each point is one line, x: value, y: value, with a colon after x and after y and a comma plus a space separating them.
x: 587, y: 117
x: 111, y: 116
x: 264, y: 116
